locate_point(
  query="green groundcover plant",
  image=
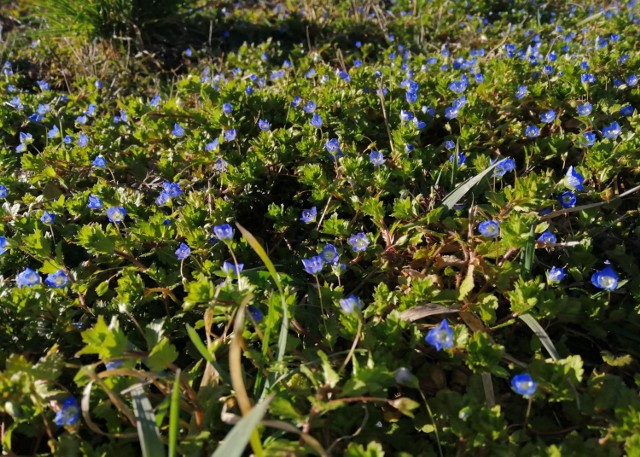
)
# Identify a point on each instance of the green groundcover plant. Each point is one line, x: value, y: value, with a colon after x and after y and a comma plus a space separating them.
x: 410, y: 231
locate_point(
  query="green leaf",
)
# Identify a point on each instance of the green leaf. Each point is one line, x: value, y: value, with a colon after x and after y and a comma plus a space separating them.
x: 161, y: 356
x: 236, y: 440
x: 148, y: 433
x: 106, y: 341
x: 37, y: 244
x: 93, y: 238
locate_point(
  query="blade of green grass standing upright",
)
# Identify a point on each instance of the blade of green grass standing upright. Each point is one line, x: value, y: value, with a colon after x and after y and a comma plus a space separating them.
x: 174, y: 416
x: 529, y: 254
x: 459, y: 192
x: 146, y: 424
x: 236, y: 440
x: 284, y: 326
x: 537, y: 329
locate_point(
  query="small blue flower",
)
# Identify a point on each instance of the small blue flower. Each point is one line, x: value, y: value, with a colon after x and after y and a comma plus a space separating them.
x: 567, y: 199
x: 316, y: 121
x: 547, y: 237
x: 296, y: 101
x: 213, y: 145
x: 172, y: 189
x: 94, y: 202
x: 409, y: 147
x: 48, y: 218
x: 459, y: 157
x: 632, y: 81
x: 451, y: 112
x: 376, y: 158
x: 309, y: 107
x: 585, y: 110
x: 227, y: 108
x: 27, y: 278
x: 606, y: 278
x: 183, y: 251
x: 612, y: 131
x: 43, y: 85
x: 223, y: 232
x: 589, y: 138
x: 83, y: 140
x: 556, y: 274
x: 114, y: 364
x: 547, y: 117
x: 230, y: 135
x: 504, y: 166
x: 309, y: 215
x: 449, y: 145
x: 264, y: 125
x: 68, y: 139
x: 68, y: 414
x: 587, y: 78
x: 406, y: 116
x: 220, y: 165
x: 329, y: 254
x: 440, y: 337
x: 3, y: 191
x: 99, y: 162
x: 116, y: 214
x: 57, y: 280
x: 162, y: 199
x: 350, y: 303
x: 188, y: 52
x: 313, y: 265
x: 523, y: 384
x: 332, y: 146
x: 54, y: 132
x: 229, y: 268
x: 359, y: 242
x: 177, y: 131
x: 573, y: 179
x: 155, y: 101
x: 521, y: 92
x: 255, y: 313
x: 4, y: 245
x: 489, y: 228
x: 532, y: 131
x: 627, y: 111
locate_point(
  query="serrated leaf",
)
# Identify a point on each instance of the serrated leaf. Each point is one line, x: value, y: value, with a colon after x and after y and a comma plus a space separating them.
x: 161, y: 356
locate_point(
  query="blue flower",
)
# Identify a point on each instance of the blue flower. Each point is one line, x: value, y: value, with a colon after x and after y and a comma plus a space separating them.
x: 313, y: 265
x: 612, y: 131
x: 223, y: 232
x: 449, y: 145
x: 57, y: 280
x: 82, y: 119
x: 172, y: 189
x: 116, y: 214
x: 632, y: 80
x: 68, y: 414
x: 316, y: 121
x: 27, y: 278
x: 48, y: 218
x: 406, y: 116
x: 155, y: 101
x: 409, y: 147
x: 94, y: 202
x: 589, y: 138
x: 627, y: 110
x: 99, y: 162
x: 460, y: 157
x: 230, y: 268
x: 309, y: 107
x: 585, y: 110
x: 213, y: 145
x: 230, y: 135
x: 521, y: 92
x: 162, y: 199
x: 227, y: 108
x: 489, y: 228
x: 220, y: 165
x: 359, y: 242
x: 451, y: 112
x: 296, y: 101
x: 177, y: 131
x: 83, y: 140
x: 523, y: 384
x: 504, y: 166
x: 587, y: 78
x: 255, y: 313
x: 68, y: 139
x: 183, y: 251
x: 309, y: 215
x: 43, y: 85
x: 329, y: 254
x: 547, y: 117
x: 350, y: 303
x: 567, y: 199
x: 573, y: 179
x: 3, y: 191
x: 547, y: 237
x: 54, y: 132
x: 3, y: 244
x: 532, y: 131
x: 556, y: 274
x: 606, y: 278
x: 332, y: 146
x: 264, y: 124
x: 440, y: 337
x: 376, y: 158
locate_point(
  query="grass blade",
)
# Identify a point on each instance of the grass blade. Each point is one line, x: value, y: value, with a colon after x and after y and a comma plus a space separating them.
x: 174, y: 416
x: 459, y: 192
x: 542, y: 335
x: 204, y: 352
x: 419, y: 312
x: 236, y: 440
x: 529, y: 254
x: 146, y: 424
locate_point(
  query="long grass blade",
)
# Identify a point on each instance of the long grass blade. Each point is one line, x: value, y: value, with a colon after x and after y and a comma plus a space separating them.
x: 236, y: 440
x: 204, y: 352
x: 148, y: 433
x: 174, y: 416
x: 542, y: 335
x: 459, y: 192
